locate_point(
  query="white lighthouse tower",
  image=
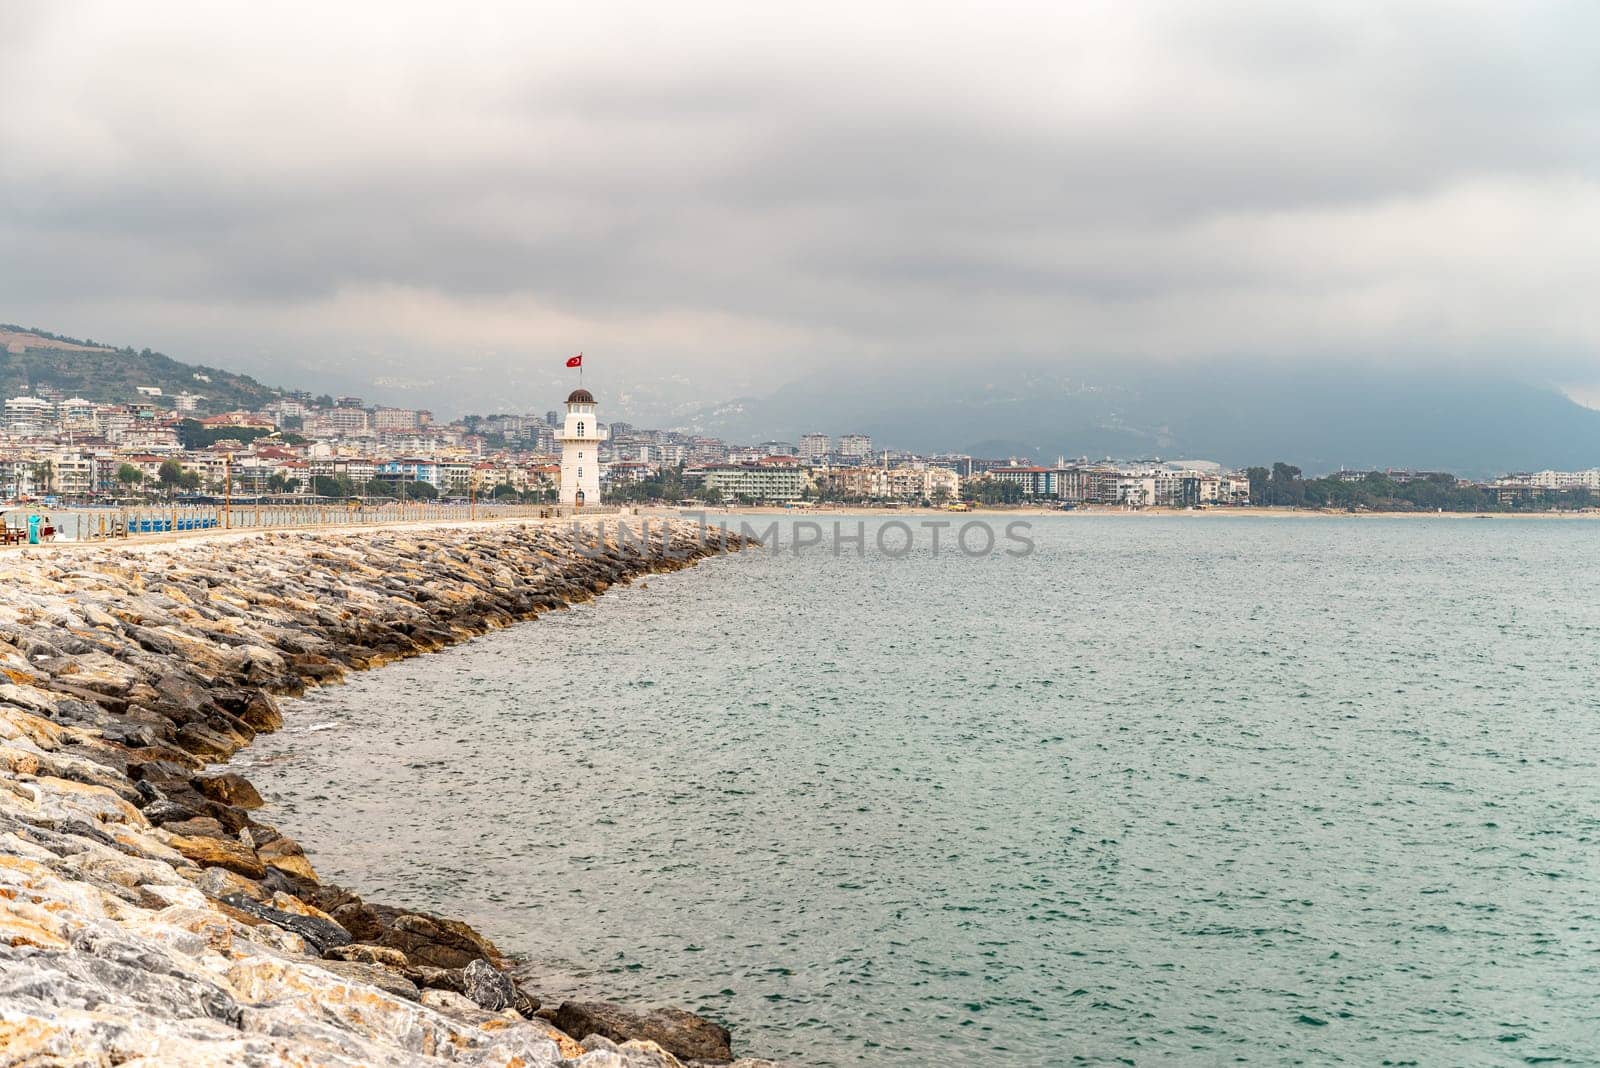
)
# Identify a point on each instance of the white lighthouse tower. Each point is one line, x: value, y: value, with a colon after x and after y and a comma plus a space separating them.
x: 580, y: 451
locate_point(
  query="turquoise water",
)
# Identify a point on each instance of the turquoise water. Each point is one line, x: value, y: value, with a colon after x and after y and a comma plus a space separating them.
x: 1170, y: 789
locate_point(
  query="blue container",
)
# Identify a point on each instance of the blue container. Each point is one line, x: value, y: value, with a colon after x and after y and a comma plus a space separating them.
x: 33, y: 530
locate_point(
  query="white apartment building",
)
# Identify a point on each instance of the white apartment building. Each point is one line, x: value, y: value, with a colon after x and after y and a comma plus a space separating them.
x: 29, y: 416
x: 1134, y: 491
x: 855, y: 446
x: 147, y: 438
x: 78, y: 415
x: 346, y: 421
x: 815, y: 447
x: 396, y: 419
x: 71, y: 473
x: 756, y: 482
x: 1565, y: 480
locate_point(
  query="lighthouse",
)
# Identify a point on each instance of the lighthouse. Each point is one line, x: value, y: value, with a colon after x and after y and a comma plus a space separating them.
x: 580, y: 451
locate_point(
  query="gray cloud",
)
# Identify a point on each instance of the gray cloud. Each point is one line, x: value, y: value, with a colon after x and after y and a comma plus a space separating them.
x: 737, y: 195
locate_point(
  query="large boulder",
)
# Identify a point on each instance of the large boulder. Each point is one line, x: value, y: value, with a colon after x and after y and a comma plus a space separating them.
x: 424, y: 939
x: 285, y: 854
x: 219, y: 853
x: 362, y: 953
x: 229, y: 788
x: 322, y: 935
x: 385, y: 979
x: 206, y: 743
x: 487, y: 986
x: 221, y: 883
x: 262, y: 712
x: 680, y: 1033
x: 183, y: 695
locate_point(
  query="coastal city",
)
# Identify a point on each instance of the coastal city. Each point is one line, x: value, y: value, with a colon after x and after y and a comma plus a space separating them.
x: 299, y: 447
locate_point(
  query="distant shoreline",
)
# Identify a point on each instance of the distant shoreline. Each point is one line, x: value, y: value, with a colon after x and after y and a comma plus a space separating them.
x: 1102, y: 511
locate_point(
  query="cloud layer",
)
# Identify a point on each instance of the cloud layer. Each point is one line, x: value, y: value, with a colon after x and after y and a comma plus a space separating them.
x: 732, y: 195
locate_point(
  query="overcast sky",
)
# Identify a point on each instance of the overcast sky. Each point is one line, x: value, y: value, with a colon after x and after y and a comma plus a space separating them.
x: 730, y: 195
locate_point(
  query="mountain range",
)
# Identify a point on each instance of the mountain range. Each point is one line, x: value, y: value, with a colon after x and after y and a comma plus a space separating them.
x: 1319, y: 418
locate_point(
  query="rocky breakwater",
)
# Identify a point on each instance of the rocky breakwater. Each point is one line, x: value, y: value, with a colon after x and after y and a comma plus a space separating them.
x: 149, y: 914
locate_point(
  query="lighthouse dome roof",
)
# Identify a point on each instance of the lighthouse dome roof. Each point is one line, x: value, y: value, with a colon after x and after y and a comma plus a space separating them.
x: 581, y: 396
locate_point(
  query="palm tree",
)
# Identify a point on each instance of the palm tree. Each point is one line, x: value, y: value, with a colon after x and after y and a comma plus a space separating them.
x: 44, y: 472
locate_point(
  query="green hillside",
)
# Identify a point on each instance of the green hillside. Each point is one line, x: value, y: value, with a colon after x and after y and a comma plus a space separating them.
x: 31, y: 360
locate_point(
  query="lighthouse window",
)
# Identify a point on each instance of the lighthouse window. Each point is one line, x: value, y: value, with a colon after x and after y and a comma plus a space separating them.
x: 580, y: 472
x: 580, y: 429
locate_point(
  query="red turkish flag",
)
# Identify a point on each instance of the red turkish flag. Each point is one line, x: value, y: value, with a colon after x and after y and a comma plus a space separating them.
x: 576, y: 361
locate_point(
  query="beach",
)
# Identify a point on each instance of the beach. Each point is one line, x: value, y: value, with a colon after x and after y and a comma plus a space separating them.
x: 1096, y: 511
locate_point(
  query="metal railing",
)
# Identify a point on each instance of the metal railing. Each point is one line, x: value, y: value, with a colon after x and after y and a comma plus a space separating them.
x: 97, y: 524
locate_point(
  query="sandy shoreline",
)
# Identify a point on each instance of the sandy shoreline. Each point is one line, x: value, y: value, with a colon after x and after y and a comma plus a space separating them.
x: 1098, y: 512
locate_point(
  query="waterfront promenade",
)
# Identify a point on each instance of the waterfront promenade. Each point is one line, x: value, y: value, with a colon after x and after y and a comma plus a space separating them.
x: 81, y: 525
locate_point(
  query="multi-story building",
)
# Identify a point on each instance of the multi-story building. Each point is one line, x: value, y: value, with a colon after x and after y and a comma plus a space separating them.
x: 147, y: 437
x: 29, y: 416
x: 1566, y: 480
x: 1185, y: 489
x: 1034, y: 482
x: 855, y: 446
x: 626, y: 472
x: 895, y: 483
x: 707, y: 451
x: 408, y: 470
x: 1133, y: 491
x: 247, y: 420
x: 752, y: 482
x: 815, y: 447
x: 106, y: 466
x: 396, y: 419
x: 455, y: 477
x: 1085, y: 485
x: 71, y: 472
x: 1141, y: 484
x: 346, y: 420
x: 77, y: 416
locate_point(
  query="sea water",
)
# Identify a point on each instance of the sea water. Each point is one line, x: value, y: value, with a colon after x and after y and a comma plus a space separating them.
x: 1187, y: 789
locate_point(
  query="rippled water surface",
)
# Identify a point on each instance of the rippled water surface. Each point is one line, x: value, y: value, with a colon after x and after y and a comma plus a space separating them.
x: 1184, y: 789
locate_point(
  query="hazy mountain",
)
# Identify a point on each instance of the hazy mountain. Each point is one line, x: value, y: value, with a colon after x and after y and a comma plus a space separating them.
x: 1320, y: 420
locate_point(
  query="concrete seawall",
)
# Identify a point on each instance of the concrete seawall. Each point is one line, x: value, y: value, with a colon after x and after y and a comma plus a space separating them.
x: 148, y: 912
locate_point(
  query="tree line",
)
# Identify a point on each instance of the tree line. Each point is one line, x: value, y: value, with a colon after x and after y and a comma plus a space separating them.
x: 1284, y: 485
